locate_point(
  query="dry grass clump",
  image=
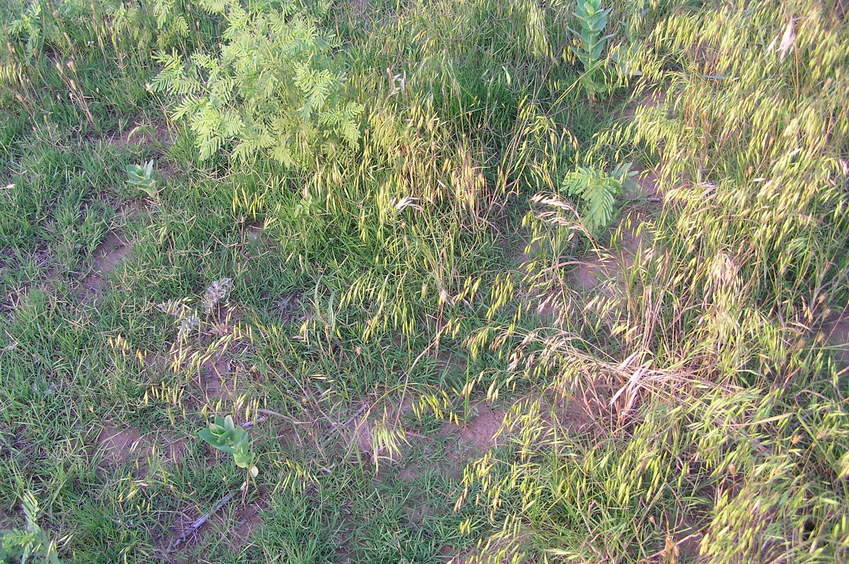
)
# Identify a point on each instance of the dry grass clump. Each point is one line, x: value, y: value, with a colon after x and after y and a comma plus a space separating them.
x: 725, y: 432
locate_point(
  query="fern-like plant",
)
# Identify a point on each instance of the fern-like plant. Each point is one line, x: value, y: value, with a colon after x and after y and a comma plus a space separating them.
x: 273, y: 89
x: 31, y: 24
x: 32, y: 543
x: 597, y: 191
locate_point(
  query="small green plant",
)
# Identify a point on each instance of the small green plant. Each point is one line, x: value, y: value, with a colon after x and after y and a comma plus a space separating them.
x: 21, y: 545
x: 30, y: 24
x: 597, y: 191
x: 591, y: 44
x: 273, y: 90
x: 141, y: 176
x: 226, y: 436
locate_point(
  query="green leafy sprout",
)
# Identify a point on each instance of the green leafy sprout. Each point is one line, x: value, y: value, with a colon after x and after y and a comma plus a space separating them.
x: 230, y: 438
x: 141, y: 176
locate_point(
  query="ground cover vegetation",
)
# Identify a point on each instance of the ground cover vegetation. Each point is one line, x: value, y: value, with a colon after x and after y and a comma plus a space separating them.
x: 424, y: 281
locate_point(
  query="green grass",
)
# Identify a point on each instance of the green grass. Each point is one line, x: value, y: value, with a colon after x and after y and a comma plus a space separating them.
x: 670, y: 386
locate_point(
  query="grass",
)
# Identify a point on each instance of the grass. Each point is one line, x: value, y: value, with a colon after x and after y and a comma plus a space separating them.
x: 435, y: 354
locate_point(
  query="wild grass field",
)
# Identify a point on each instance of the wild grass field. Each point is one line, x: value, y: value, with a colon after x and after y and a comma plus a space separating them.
x: 444, y: 281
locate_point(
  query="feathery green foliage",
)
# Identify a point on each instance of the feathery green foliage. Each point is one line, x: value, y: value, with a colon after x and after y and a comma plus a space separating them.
x: 29, y: 544
x: 273, y: 90
x: 598, y: 192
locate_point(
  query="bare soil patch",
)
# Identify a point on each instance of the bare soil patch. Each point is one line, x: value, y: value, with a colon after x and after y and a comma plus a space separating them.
x: 411, y: 472
x: 7, y: 523
x: 377, y: 427
x: 244, y: 520
x: 288, y: 307
x: 478, y: 434
x: 175, y: 449
x: 553, y: 414
x: 589, y: 272
x: 215, y: 378
x: 447, y: 555
x: 157, y: 134
x: 448, y: 362
x: 106, y: 258
x: 837, y: 335
x: 646, y: 188
x: 481, y: 432
x: 648, y: 99
x: 603, y: 265
x: 248, y: 519
x: 120, y: 445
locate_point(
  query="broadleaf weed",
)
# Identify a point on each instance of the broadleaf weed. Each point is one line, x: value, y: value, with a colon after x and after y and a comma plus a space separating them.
x: 141, y: 176
x: 226, y: 436
x: 592, y: 19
